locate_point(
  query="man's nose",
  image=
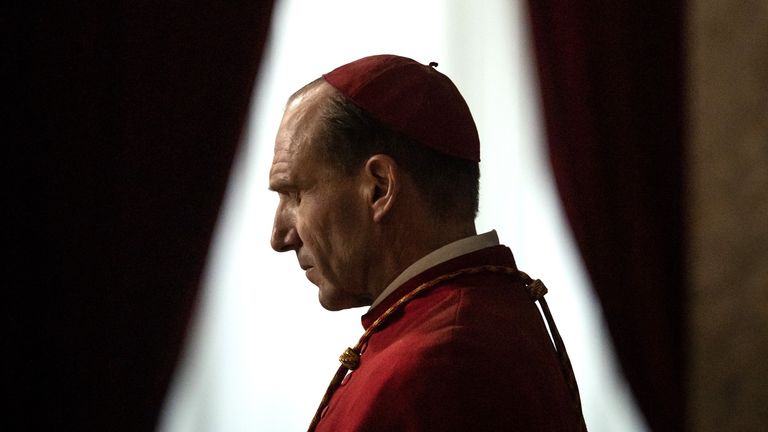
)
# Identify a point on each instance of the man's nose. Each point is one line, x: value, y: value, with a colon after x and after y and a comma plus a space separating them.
x: 284, y: 236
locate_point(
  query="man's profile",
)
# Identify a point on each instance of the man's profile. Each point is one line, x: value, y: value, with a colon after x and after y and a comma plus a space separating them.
x: 377, y: 168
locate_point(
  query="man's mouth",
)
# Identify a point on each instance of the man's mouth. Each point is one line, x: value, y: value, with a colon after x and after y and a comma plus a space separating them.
x: 308, y: 270
x: 309, y: 273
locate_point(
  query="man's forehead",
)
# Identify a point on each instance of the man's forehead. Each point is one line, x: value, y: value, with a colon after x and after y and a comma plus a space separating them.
x: 299, y: 119
x: 296, y: 134
x: 280, y: 172
x: 292, y: 138
x: 291, y: 156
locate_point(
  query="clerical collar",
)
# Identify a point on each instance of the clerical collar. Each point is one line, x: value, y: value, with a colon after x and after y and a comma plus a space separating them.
x: 450, y: 251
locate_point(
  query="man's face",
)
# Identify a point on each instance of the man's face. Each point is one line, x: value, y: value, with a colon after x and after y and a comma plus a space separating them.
x: 321, y: 214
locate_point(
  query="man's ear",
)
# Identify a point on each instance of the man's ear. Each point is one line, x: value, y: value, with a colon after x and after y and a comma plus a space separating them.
x: 384, y: 175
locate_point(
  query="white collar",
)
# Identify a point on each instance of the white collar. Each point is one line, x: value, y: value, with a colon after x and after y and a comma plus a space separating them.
x: 438, y: 256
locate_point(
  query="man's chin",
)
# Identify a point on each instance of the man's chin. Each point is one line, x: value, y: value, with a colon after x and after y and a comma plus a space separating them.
x: 331, y: 304
x: 336, y: 304
x: 328, y: 305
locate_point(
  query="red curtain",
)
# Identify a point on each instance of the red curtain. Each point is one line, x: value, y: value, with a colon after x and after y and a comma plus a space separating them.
x: 139, y: 107
x: 612, y: 91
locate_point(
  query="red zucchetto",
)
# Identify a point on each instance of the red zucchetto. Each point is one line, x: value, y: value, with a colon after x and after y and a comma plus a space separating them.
x: 413, y: 99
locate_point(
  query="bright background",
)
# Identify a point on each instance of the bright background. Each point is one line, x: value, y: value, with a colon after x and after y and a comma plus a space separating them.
x: 262, y: 350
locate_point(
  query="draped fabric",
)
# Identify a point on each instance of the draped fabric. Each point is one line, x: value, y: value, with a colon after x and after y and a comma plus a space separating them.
x: 612, y: 92
x: 140, y: 106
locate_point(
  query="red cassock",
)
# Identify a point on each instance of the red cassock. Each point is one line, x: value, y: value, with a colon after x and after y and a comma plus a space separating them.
x: 470, y: 354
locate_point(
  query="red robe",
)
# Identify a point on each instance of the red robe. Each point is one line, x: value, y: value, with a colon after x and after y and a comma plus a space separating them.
x: 470, y: 354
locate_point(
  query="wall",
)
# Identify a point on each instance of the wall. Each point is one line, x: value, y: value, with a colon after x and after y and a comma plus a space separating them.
x: 728, y: 184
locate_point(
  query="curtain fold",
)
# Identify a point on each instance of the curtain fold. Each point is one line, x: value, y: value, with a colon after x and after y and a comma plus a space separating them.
x: 611, y: 82
x: 140, y: 106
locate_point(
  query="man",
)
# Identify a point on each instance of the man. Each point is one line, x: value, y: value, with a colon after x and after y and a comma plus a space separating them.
x: 376, y: 167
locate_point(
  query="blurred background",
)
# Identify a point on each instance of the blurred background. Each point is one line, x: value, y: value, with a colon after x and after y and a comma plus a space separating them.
x: 624, y: 162
x: 257, y: 308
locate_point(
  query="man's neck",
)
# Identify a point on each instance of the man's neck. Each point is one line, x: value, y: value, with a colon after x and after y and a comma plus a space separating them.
x: 445, y: 253
x: 408, y: 246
